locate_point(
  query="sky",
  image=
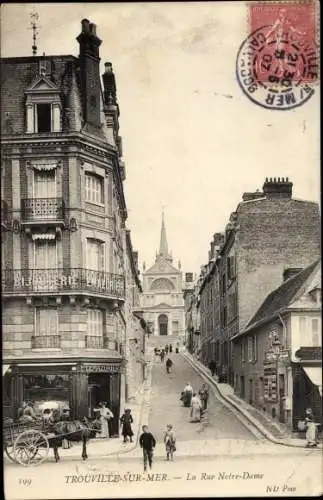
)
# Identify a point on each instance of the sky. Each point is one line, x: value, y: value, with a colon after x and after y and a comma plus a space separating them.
x: 192, y: 141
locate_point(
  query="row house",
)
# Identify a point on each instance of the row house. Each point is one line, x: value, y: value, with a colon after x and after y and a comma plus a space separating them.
x: 268, y: 232
x: 278, y: 355
x: 136, y: 328
x: 63, y: 269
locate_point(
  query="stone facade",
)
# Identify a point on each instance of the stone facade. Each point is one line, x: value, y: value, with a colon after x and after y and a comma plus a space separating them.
x: 268, y: 232
x: 63, y: 251
x: 162, y: 298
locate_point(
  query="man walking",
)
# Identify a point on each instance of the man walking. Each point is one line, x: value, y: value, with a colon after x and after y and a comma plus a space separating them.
x: 169, y: 364
x: 147, y: 443
x: 204, y: 396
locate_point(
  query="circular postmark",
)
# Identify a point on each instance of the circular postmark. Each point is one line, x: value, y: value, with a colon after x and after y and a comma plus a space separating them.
x: 277, y: 71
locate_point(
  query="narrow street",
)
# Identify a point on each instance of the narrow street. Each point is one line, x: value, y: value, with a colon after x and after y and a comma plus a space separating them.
x: 166, y: 406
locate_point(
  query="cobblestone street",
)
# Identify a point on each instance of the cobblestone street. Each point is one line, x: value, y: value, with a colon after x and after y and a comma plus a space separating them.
x: 166, y: 406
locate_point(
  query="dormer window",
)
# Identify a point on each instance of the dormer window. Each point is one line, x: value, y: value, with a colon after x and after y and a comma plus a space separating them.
x: 43, y: 107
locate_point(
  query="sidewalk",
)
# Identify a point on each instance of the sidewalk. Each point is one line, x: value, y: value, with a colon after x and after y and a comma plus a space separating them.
x: 273, y: 431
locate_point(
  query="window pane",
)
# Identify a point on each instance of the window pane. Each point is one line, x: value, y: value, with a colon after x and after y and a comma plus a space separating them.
x: 94, y: 188
x: 44, y: 117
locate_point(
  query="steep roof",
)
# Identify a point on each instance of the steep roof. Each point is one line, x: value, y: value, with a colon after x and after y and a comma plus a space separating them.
x: 282, y: 296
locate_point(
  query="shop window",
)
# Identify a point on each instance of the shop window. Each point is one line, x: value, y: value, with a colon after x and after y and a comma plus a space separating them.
x: 46, y: 387
x: 94, y: 189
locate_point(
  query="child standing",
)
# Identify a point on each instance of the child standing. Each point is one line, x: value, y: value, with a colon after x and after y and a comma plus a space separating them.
x: 147, y: 443
x: 126, y: 421
x: 170, y: 442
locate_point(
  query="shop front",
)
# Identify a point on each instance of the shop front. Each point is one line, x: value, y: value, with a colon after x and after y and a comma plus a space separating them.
x: 79, y: 385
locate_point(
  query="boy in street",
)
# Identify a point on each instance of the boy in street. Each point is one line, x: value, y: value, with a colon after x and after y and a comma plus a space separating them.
x: 147, y: 443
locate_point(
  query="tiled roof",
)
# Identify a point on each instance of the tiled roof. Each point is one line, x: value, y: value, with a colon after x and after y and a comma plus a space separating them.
x: 309, y: 353
x: 282, y: 296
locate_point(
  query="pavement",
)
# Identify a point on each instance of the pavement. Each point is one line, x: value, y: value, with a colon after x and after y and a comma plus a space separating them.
x: 266, y: 426
x: 232, y: 427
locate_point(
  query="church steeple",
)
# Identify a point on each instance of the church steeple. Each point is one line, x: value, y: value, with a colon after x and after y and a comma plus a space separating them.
x: 163, y: 246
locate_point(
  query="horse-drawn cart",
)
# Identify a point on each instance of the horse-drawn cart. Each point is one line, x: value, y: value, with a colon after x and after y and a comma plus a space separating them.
x: 26, y: 443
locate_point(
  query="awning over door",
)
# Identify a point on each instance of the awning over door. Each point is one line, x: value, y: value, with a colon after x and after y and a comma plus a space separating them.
x: 314, y: 373
x: 5, y: 368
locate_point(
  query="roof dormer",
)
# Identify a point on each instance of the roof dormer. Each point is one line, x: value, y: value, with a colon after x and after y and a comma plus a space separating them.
x: 43, y: 105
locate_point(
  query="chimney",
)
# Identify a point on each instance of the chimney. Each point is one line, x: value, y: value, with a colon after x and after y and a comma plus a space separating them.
x: 109, y: 85
x: 252, y: 196
x: 218, y: 239
x: 291, y: 272
x: 90, y: 72
x: 278, y: 188
x: 189, y: 277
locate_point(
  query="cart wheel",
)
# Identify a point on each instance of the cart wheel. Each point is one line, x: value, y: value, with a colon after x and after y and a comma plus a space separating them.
x: 9, y: 451
x: 31, y: 448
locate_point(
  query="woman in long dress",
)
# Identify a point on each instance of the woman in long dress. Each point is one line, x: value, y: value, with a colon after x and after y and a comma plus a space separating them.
x: 196, y: 408
x: 311, y: 429
x: 105, y: 416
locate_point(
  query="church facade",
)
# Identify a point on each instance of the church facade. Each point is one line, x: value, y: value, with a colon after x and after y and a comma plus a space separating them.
x: 162, y: 297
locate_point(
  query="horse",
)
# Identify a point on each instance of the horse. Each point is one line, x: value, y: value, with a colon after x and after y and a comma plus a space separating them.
x: 74, y: 431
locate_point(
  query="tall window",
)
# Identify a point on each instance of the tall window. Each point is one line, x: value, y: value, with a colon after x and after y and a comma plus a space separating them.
x: 95, y: 322
x: 315, y: 332
x: 43, y: 117
x: 95, y: 255
x: 242, y: 351
x: 45, y: 183
x: 46, y: 321
x: 94, y: 188
x: 45, y: 254
x: 252, y: 348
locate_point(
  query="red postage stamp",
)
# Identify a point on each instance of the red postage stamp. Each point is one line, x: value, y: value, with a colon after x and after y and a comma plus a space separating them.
x: 290, y: 31
x: 278, y: 63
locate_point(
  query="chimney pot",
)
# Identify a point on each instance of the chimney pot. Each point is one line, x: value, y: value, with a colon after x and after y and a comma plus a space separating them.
x: 85, y: 25
x: 108, y: 67
x: 92, y: 27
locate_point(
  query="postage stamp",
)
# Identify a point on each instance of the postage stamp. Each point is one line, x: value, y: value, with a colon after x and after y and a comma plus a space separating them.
x: 278, y: 63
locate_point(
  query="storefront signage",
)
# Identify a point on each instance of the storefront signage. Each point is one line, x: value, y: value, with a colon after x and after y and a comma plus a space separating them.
x: 104, y: 368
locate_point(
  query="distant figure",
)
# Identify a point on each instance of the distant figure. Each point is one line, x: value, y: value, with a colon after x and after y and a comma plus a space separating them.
x: 170, y: 442
x: 170, y: 348
x: 162, y: 355
x: 126, y: 421
x: 166, y: 349
x: 169, y: 364
x: 105, y: 416
x: 311, y: 429
x: 29, y: 412
x: 204, y: 396
x: 147, y: 443
x: 187, y: 394
x: 196, y: 408
x: 212, y: 367
x: 21, y: 409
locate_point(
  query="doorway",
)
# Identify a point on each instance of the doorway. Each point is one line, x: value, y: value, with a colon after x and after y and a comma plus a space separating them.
x: 163, y: 324
x: 281, y: 399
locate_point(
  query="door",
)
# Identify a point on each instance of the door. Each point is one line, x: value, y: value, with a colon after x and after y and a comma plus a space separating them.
x: 250, y: 391
x: 163, y: 324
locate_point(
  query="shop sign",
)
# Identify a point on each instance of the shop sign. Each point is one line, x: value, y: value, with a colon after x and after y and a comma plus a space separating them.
x: 101, y: 368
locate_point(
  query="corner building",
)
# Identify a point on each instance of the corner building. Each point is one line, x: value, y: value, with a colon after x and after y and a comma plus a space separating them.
x: 63, y: 286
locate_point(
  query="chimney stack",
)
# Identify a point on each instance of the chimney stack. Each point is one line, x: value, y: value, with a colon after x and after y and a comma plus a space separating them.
x: 90, y: 73
x: 278, y: 188
x: 109, y: 85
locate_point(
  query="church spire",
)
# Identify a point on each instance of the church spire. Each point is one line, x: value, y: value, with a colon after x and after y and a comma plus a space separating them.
x: 163, y: 247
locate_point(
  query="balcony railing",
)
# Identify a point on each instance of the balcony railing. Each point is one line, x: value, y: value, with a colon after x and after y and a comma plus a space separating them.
x: 62, y: 280
x: 39, y: 209
x: 45, y: 341
x: 94, y: 342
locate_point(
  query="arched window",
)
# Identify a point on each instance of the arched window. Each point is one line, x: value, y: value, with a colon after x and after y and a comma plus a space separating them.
x: 162, y: 284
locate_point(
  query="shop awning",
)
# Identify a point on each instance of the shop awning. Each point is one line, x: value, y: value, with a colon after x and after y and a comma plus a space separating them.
x: 5, y: 368
x: 43, y: 236
x: 314, y: 373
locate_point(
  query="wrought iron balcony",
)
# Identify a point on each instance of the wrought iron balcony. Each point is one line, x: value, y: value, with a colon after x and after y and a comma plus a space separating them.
x: 62, y: 281
x: 45, y: 341
x: 42, y: 209
x: 94, y: 342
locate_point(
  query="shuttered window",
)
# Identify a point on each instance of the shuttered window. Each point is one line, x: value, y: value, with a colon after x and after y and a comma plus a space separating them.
x: 46, y: 321
x: 95, y: 322
x: 94, y: 254
x: 94, y: 188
